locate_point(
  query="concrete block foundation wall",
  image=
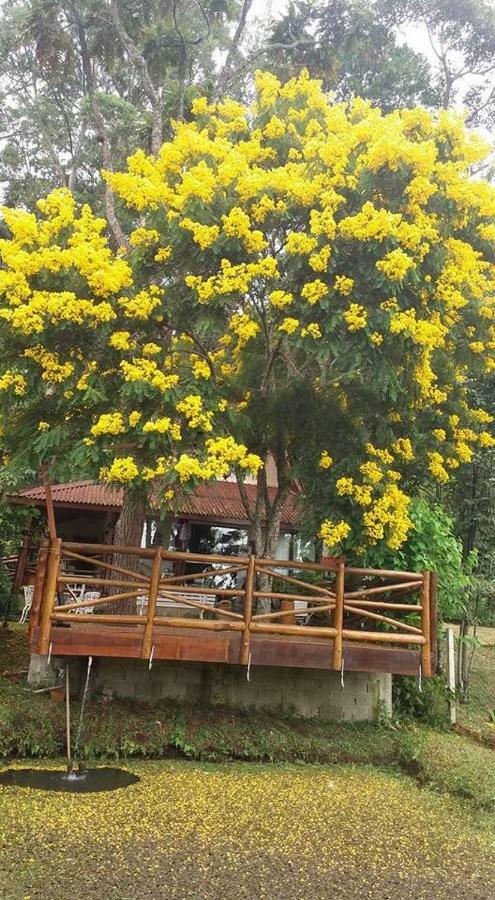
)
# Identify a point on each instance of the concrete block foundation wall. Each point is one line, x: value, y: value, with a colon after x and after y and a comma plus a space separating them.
x: 306, y: 692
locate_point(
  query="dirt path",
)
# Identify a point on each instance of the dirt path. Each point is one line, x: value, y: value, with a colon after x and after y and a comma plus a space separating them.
x: 245, y: 831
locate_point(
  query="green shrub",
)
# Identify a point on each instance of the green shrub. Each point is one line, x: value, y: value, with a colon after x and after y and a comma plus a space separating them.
x: 431, y: 544
x: 429, y: 705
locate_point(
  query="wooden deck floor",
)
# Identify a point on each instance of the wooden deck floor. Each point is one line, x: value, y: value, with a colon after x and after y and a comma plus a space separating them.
x: 125, y: 641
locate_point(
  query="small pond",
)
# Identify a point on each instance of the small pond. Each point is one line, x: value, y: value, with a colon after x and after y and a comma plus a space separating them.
x: 86, y: 782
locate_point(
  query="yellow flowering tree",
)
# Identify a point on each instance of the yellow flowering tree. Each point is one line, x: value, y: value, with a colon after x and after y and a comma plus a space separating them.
x: 308, y: 280
x: 82, y: 387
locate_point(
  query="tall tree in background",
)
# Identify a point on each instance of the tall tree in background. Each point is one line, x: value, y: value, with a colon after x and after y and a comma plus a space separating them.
x: 350, y: 45
x: 460, y: 39
x: 364, y: 48
x: 85, y: 82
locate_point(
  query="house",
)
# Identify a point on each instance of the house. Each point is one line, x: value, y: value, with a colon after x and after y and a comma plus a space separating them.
x: 211, y: 519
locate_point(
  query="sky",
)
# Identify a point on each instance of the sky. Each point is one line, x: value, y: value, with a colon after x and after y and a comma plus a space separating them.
x: 263, y: 7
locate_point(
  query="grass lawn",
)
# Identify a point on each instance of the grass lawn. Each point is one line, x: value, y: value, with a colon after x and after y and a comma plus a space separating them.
x: 191, y: 829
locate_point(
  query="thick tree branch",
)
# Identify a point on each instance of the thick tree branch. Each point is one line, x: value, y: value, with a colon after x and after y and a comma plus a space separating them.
x: 118, y: 233
x: 244, y: 497
x: 225, y: 73
x: 154, y: 94
x: 76, y: 154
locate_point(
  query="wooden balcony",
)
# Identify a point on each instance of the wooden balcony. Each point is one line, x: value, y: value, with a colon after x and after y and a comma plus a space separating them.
x: 240, y: 610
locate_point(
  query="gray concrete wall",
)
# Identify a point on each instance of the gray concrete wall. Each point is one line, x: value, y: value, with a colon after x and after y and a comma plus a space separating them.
x: 306, y: 692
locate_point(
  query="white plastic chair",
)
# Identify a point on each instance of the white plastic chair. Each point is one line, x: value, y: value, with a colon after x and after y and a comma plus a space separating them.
x: 76, y: 592
x: 87, y: 595
x: 28, y: 602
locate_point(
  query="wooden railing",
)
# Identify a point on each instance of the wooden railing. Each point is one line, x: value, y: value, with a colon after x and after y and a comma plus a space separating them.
x: 244, y: 594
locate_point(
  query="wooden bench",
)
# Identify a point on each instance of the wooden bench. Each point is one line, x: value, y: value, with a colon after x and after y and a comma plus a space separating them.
x: 164, y: 603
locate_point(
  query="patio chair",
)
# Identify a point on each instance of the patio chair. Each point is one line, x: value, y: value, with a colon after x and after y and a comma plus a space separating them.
x: 28, y: 602
x: 76, y: 592
x: 87, y: 595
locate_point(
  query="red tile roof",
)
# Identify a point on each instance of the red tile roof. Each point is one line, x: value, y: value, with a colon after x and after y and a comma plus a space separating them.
x: 219, y: 500
x: 77, y: 493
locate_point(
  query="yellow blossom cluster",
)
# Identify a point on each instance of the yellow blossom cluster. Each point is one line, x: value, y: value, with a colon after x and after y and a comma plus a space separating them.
x: 311, y: 330
x: 388, y: 518
x: 142, y: 304
x: 395, y: 264
x: 325, y: 460
x: 238, y: 224
x: 143, y: 236
x: 289, y: 325
x: 244, y: 328
x: 333, y: 533
x: 163, y: 425
x: 231, y: 279
x: 314, y: 291
x: 148, y: 371
x: 355, y: 317
x: 192, y: 409
x: 436, y: 467
x: 223, y: 455
x: 120, y: 340
x: 108, y: 423
x: 122, y: 470
x: 53, y: 369
x: 14, y: 380
x: 201, y: 368
x: 281, y: 299
x: 203, y: 235
x: 343, y: 285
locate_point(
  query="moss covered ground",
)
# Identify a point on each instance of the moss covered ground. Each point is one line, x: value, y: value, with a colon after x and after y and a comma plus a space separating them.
x: 200, y: 830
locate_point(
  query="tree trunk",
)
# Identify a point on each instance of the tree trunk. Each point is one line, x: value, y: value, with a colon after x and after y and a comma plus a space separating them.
x: 267, y: 520
x: 128, y: 533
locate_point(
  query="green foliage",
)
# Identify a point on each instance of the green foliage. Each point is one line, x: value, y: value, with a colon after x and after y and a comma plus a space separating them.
x: 13, y: 520
x: 432, y: 544
x: 428, y: 703
x: 356, y: 47
x: 5, y: 589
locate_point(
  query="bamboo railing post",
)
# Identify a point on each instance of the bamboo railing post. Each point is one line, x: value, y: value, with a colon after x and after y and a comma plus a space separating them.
x: 338, y: 616
x: 425, y: 625
x: 156, y: 571
x: 49, y: 594
x: 248, y: 610
x: 39, y: 581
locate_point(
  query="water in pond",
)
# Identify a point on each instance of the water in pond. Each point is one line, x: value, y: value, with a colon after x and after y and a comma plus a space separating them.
x: 87, y: 782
